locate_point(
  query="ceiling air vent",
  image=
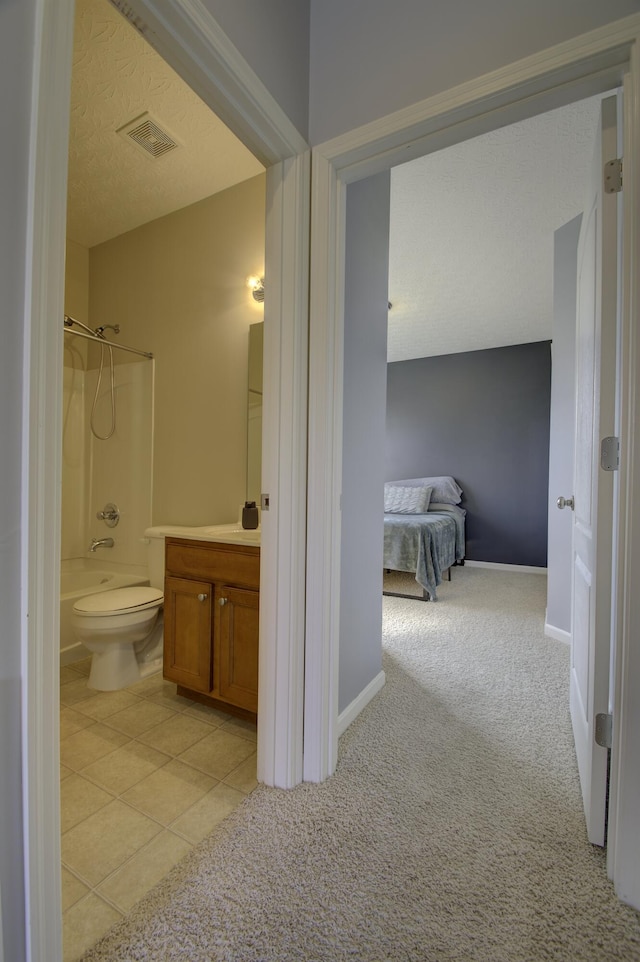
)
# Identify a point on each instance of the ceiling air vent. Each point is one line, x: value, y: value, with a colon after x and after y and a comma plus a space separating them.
x: 147, y: 134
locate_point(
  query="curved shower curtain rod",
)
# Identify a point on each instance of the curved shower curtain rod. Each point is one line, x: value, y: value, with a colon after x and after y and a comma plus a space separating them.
x: 100, y: 340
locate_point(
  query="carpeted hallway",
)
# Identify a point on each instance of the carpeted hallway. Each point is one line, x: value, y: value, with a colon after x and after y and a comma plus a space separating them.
x: 452, y: 830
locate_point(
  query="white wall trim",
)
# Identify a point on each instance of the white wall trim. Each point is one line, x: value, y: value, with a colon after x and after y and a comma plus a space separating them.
x: 190, y: 40
x: 550, y: 78
x: 584, y: 65
x: 499, y: 566
x: 284, y: 464
x: 352, y: 711
x: 558, y: 634
x: 623, y: 849
x: 42, y: 471
x: 328, y: 201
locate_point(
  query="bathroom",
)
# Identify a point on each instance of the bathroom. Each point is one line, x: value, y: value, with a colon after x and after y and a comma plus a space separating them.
x: 177, y: 288
x: 159, y: 251
x: 169, y: 268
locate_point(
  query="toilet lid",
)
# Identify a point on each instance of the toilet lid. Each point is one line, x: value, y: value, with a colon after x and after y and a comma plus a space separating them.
x: 119, y: 599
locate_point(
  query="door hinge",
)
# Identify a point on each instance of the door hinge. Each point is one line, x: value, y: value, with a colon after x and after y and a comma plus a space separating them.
x: 613, y: 176
x: 610, y: 454
x: 604, y: 730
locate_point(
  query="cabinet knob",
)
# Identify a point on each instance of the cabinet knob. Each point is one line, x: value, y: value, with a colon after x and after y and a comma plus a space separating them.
x: 202, y: 597
x: 223, y: 602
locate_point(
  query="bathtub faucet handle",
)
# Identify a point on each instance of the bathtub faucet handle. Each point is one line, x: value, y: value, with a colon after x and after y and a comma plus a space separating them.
x: 109, y: 514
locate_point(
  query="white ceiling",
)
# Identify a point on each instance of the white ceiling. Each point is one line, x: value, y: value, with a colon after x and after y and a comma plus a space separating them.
x: 113, y: 185
x: 471, y: 237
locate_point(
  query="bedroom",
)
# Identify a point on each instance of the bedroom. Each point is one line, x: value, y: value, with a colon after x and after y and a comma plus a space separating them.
x: 496, y: 363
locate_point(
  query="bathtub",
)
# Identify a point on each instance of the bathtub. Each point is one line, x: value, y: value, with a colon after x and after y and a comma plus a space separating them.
x: 76, y: 583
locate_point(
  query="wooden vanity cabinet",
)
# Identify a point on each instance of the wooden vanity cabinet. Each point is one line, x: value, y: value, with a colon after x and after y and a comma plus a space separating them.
x: 211, y: 622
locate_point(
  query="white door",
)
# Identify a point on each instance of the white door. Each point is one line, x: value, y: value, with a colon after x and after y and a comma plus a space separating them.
x: 593, y: 488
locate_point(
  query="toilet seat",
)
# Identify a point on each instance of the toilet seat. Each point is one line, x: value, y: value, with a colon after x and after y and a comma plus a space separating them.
x: 117, y: 601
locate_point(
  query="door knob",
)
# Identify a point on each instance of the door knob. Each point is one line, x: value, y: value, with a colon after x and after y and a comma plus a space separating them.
x: 223, y: 602
x: 565, y: 503
x: 202, y: 597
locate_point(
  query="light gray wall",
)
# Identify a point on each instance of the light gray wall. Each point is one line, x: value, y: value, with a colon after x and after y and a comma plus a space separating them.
x: 371, y: 58
x: 562, y: 426
x: 365, y: 363
x: 273, y: 37
x: 16, y: 62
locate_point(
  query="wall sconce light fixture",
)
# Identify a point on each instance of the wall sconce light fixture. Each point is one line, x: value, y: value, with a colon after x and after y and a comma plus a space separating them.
x: 256, y: 284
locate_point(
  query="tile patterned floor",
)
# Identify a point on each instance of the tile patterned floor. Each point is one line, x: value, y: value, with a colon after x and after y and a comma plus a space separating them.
x: 145, y: 775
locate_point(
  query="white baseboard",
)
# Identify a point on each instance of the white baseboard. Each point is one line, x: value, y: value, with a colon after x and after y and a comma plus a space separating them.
x: 558, y: 633
x: 352, y: 711
x: 497, y: 566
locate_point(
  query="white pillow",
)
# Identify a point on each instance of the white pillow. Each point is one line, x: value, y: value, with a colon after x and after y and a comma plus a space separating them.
x: 445, y: 488
x: 401, y: 500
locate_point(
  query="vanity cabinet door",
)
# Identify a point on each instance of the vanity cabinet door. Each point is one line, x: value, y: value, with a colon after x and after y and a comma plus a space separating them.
x: 237, y: 648
x: 187, y: 633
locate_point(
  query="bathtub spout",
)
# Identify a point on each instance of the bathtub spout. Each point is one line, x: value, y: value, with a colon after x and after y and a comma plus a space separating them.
x: 101, y: 542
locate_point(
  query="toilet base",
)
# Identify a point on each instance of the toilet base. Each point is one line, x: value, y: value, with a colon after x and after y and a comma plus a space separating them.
x: 119, y: 665
x: 116, y: 667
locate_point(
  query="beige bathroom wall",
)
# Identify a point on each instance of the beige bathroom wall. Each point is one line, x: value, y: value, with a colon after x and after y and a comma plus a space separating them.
x: 178, y: 287
x: 74, y: 473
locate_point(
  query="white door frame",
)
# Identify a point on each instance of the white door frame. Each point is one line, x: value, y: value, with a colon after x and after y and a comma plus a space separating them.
x: 188, y: 37
x: 586, y: 65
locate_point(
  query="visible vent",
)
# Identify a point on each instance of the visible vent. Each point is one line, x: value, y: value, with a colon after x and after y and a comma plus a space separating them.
x: 147, y: 134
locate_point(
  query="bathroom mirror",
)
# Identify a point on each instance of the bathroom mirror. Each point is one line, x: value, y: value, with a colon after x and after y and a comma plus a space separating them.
x: 254, y: 414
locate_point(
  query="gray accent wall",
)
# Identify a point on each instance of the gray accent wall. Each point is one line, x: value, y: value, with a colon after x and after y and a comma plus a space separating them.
x: 368, y: 60
x: 365, y: 362
x: 482, y: 417
x: 562, y: 433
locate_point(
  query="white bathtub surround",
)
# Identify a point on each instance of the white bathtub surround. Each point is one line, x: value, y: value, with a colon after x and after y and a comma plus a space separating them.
x: 118, y: 470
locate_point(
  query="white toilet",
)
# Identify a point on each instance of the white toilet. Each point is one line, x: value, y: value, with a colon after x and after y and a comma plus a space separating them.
x: 118, y: 628
x: 123, y: 629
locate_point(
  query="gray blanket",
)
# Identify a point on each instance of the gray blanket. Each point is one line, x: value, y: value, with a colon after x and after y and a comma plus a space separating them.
x: 424, y: 543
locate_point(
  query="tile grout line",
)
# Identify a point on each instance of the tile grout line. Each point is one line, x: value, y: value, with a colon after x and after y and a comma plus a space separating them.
x: 170, y: 755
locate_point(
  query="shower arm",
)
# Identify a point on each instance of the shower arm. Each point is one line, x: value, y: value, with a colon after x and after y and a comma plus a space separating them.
x: 68, y: 321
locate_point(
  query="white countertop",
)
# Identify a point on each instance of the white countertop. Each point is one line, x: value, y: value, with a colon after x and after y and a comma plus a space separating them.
x: 225, y: 533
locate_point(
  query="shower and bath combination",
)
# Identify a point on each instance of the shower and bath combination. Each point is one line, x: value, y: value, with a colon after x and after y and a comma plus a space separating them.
x: 113, y: 611
x: 97, y: 334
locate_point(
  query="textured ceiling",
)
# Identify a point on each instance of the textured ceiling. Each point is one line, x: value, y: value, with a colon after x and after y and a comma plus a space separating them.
x: 471, y: 237
x: 113, y: 185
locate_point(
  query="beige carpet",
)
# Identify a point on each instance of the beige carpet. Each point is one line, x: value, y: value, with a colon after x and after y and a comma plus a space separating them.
x: 451, y: 832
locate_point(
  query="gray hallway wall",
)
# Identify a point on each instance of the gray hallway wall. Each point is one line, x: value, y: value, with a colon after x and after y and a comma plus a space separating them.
x: 368, y: 60
x: 365, y: 363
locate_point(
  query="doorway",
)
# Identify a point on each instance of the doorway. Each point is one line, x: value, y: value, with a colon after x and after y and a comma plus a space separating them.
x: 166, y: 220
x: 337, y: 166
x: 230, y: 87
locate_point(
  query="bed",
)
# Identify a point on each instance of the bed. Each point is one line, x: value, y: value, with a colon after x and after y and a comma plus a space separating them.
x: 424, y: 530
